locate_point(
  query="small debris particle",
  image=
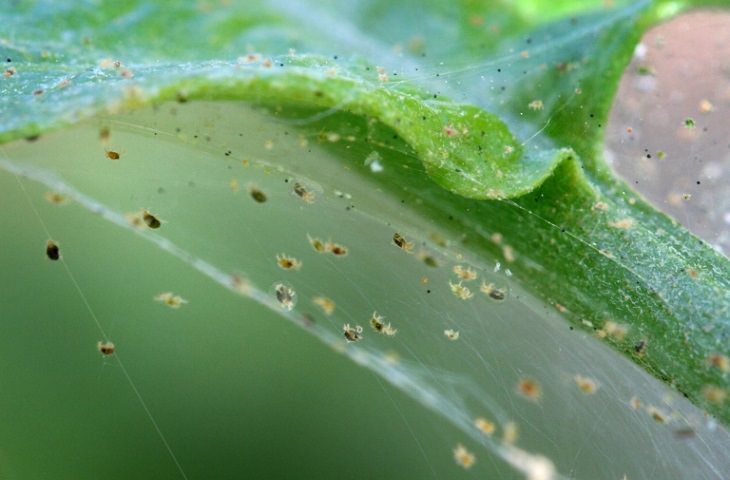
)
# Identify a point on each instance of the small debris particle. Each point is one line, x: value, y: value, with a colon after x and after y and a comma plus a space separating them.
x: 460, y: 291
x: 333, y: 137
x: 56, y: 198
x: 644, y: 70
x: 689, y: 123
x: 150, y: 220
x: 655, y: 413
x: 706, y: 106
x: 400, y: 241
x: 241, y: 285
x: 326, y: 304
x: 450, y: 131
x: 635, y: 403
x: 466, y: 274
x: 171, y: 300
x: 684, y: 433
x: 463, y: 457
x: 718, y: 360
x: 38, y: 92
x: 535, y: 105
x: 249, y: 58
x: 525, y: 54
x: 508, y: 149
x: 112, y: 155
x: 286, y: 262
x: 104, y: 134
x: 693, y: 273
x: 135, y: 219
x: 493, y: 292
x: 391, y: 357
x: 382, y: 76
x: 585, y: 384
x: 374, y: 161
x: 106, y: 348
x: 510, y: 432
x: 53, y: 251
x: 286, y: 296
x: 430, y: 261
x: 614, y: 330
x: 623, y: 224
x: 600, y: 206
x: 509, y: 253
x: 529, y: 388
x: 560, y: 308
x: 352, y: 334
x: 496, y: 238
x: 686, y: 196
x: 233, y: 185
x: 257, y: 195
x: 269, y: 145
x: 661, y: 154
x: 714, y: 394
x: 376, y: 321
x: 485, y: 426
x: 452, y: 334
x: 304, y: 193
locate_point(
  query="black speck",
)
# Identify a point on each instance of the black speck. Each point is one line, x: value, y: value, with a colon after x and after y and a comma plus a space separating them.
x: 8, y: 60
x: 698, y: 182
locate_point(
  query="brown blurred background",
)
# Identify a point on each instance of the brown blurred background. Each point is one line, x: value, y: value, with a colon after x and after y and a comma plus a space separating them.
x: 680, y: 71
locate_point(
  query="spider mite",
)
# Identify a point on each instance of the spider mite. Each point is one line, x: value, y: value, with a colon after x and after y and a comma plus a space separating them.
x: 400, y: 241
x: 112, y: 155
x: 150, y: 220
x: 106, y: 348
x: 352, y: 334
x: 258, y: 195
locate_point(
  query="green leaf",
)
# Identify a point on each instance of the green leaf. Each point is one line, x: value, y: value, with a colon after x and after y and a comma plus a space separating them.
x: 473, y: 131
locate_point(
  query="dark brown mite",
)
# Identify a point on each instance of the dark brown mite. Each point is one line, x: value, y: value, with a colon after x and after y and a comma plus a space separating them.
x: 258, y: 195
x: 639, y: 347
x: 430, y: 261
x: 112, y: 155
x: 151, y: 220
x: 399, y: 240
x: 52, y: 250
x: 497, y: 294
x: 338, y: 250
x: 299, y: 189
